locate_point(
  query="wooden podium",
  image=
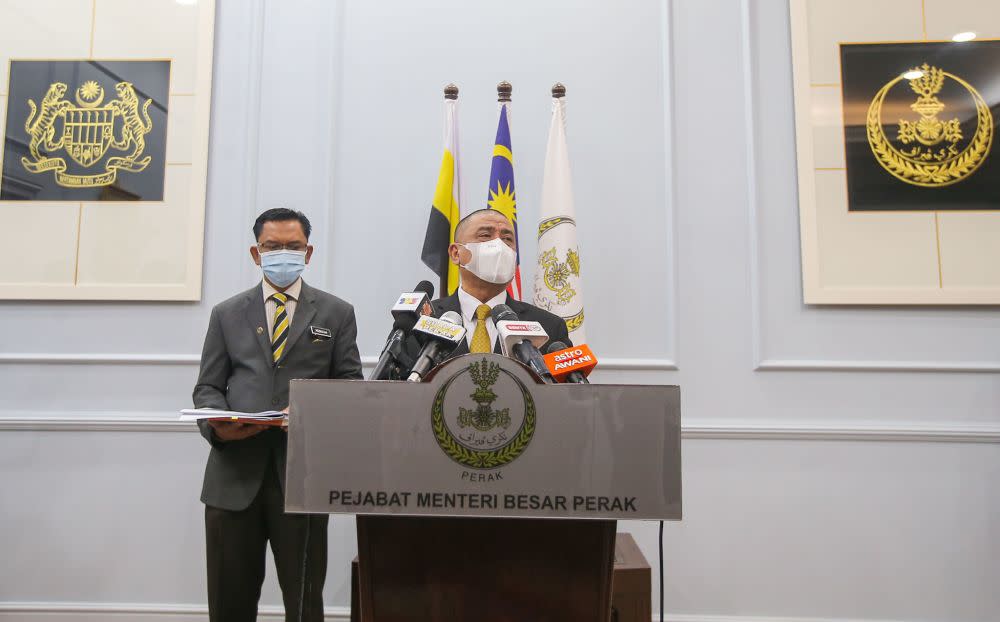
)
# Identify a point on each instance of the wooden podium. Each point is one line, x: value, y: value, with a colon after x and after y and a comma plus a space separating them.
x: 631, y: 596
x: 488, y: 569
x: 500, y: 512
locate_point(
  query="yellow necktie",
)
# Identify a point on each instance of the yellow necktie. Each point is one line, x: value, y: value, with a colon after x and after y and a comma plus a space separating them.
x: 481, y: 337
x: 279, y: 334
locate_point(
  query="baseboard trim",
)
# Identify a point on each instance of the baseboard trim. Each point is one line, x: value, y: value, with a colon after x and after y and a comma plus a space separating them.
x: 142, y: 612
x: 711, y: 430
x: 713, y: 618
x: 134, y: 612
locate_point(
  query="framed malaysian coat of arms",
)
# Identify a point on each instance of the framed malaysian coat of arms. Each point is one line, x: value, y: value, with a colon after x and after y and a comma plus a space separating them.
x: 105, y: 112
x: 897, y: 106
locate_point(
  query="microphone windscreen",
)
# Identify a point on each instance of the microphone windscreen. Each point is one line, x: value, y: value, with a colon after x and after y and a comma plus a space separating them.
x: 405, y: 322
x: 503, y: 313
x: 452, y: 317
x: 425, y: 287
x: 555, y: 346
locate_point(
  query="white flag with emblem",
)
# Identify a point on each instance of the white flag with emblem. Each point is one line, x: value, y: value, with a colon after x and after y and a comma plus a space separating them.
x: 558, y: 286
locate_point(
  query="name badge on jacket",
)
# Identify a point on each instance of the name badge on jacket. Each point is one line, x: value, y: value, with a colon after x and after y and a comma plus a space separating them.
x: 320, y: 334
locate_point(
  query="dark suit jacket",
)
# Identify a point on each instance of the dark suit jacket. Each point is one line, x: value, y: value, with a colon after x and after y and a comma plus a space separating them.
x: 554, y: 325
x: 237, y: 373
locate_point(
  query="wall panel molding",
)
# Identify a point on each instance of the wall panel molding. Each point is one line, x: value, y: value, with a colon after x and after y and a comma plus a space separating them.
x: 252, y: 142
x: 722, y: 429
x: 96, y: 358
x: 288, y: 170
x: 878, y: 366
x: 760, y: 363
x: 368, y: 361
x: 669, y: 174
x: 837, y: 431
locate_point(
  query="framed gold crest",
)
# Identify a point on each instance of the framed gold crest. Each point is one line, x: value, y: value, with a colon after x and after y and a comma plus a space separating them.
x: 105, y: 111
x: 897, y: 107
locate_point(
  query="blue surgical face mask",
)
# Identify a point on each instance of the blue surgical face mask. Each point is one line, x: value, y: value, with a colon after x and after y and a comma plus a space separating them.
x: 282, y: 267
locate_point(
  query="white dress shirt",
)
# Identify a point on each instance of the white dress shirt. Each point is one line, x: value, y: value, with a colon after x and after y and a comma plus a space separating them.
x: 271, y: 305
x: 469, y: 304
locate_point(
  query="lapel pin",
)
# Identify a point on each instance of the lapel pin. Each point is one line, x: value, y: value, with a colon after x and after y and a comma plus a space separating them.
x: 260, y: 330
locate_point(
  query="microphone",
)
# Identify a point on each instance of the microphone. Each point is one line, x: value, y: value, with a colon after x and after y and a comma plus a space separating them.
x: 571, y: 365
x: 440, y: 337
x: 521, y: 340
x: 405, y: 314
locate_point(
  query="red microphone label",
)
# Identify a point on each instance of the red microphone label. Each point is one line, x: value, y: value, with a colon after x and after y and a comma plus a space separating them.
x: 519, y: 327
x: 566, y: 361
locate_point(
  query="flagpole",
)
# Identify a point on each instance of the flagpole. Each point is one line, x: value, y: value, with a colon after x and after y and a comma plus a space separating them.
x: 558, y: 90
x: 450, y: 276
x: 450, y: 279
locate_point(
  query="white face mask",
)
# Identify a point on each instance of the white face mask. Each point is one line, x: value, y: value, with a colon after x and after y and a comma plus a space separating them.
x: 492, y: 261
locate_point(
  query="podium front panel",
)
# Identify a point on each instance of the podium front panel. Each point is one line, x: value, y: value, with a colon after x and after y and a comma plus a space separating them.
x: 483, y: 438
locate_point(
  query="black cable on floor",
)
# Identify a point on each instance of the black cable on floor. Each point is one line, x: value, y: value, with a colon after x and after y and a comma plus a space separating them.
x: 661, y: 571
x: 305, y: 562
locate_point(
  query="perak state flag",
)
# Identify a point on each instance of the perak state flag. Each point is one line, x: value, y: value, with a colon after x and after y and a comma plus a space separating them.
x: 445, y: 212
x: 558, y: 286
x: 501, y: 192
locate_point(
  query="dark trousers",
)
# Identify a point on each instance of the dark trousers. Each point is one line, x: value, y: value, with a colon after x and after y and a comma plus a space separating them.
x: 236, y: 545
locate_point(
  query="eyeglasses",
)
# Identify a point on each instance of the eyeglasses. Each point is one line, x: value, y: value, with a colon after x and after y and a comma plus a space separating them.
x: 270, y: 247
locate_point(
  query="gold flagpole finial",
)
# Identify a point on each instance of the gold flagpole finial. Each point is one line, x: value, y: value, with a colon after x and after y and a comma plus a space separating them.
x: 558, y: 90
x: 451, y: 91
x: 503, y: 91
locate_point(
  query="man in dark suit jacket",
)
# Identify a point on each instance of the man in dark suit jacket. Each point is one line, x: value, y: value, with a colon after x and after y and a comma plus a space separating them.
x: 256, y: 342
x: 485, y: 250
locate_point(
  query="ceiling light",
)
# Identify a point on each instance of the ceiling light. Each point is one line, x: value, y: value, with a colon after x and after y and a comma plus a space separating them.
x: 913, y: 74
x: 964, y: 36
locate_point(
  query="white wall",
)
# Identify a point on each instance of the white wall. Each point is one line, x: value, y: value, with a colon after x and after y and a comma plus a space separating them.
x: 839, y: 463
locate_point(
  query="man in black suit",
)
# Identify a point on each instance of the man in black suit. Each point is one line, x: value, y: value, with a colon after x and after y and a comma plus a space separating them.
x: 256, y: 342
x: 485, y: 250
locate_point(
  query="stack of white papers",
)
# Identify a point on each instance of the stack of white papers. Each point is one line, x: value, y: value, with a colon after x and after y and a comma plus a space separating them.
x: 194, y: 414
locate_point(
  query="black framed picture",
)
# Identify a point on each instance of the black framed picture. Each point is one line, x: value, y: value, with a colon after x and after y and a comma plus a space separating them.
x: 920, y: 125
x: 86, y: 130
